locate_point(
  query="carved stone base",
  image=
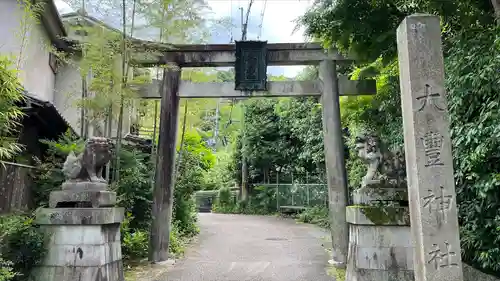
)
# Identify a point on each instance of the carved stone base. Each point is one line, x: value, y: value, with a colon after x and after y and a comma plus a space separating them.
x: 380, y: 245
x: 84, y: 185
x: 77, y: 216
x: 84, y: 244
x: 82, y: 199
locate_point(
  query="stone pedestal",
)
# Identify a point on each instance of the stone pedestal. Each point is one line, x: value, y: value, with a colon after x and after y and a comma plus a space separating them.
x: 84, y: 231
x: 380, y: 246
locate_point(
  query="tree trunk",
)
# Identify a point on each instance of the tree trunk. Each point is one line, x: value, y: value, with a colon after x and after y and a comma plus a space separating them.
x: 164, y: 187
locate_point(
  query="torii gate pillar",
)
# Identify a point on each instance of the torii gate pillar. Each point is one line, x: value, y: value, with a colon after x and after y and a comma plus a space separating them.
x: 334, y: 161
x: 163, y: 195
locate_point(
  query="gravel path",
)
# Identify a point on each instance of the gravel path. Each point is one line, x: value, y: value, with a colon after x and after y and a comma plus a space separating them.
x: 252, y: 248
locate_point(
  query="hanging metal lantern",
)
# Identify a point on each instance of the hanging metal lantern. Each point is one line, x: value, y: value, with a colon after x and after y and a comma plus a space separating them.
x: 251, y: 66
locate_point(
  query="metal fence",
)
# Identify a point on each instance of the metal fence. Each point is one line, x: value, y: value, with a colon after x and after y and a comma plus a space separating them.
x: 298, y: 194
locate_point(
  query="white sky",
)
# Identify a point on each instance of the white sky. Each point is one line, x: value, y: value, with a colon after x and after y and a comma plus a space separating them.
x: 277, y: 25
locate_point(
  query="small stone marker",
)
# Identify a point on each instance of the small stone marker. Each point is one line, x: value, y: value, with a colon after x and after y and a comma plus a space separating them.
x: 429, y: 161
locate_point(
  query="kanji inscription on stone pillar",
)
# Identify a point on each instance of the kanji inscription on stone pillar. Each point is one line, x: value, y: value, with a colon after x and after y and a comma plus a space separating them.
x: 429, y: 162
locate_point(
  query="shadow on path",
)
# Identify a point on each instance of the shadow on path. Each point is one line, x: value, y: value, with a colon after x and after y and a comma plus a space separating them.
x: 252, y: 248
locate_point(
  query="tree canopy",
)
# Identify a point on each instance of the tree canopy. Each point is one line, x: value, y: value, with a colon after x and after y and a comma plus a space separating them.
x: 366, y: 28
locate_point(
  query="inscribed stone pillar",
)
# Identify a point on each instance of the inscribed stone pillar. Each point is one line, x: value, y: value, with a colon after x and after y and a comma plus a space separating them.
x: 429, y: 162
x: 334, y: 160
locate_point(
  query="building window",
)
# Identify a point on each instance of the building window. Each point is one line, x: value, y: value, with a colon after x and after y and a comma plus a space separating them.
x: 53, y: 62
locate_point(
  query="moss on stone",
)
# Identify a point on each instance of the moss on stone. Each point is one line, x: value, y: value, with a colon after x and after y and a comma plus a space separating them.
x: 337, y: 273
x: 383, y: 215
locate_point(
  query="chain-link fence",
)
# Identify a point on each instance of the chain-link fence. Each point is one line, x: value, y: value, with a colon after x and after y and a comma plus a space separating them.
x: 298, y: 194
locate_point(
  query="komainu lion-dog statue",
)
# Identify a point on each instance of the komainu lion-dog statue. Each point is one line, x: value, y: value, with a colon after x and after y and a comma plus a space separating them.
x: 88, y: 165
x: 383, y: 165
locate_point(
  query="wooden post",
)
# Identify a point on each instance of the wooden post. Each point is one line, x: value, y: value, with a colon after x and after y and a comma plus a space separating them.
x: 165, y: 181
x: 277, y: 191
x: 244, y: 161
x: 429, y: 160
x: 334, y: 161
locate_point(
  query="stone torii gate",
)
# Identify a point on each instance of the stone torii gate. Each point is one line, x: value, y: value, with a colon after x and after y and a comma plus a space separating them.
x: 329, y: 86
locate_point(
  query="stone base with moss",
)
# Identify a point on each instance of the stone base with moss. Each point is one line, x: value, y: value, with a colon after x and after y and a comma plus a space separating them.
x: 380, y: 245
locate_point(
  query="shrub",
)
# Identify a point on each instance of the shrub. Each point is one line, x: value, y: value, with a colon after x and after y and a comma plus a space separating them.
x: 224, y: 197
x: 262, y: 201
x: 195, y: 160
x: 135, y: 242
x: 185, y: 215
x: 263, y: 198
x: 6, y: 271
x: 177, y: 241
x: 134, y: 188
x: 315, y: 215
x: 22, y: 246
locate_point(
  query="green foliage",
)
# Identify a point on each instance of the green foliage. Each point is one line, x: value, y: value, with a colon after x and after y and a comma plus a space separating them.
x: 225, y: 196
x: 48, y: 176
x: 471, y: 47
x: 22, y: 246
x: 262, y: 134
x: 200, y: 111
x: 136, y: 196
x: 262, y: 202
x: 473, y: 90
x: 302, y: 118
x: 185, y: 215
x: 315, y: 215
x: 379, y: 114
x: 11, y: 114
x: 101, y: 51
x: 134, y: 187
x: 178, y: 241
x: 283, y: 136
x: 241, y: 207
x: 263, y: 198
x: 135, y: 242
x: 6, y: 270
x: 219, y: 175
x: 195, y: 160
x: 367, y: 28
